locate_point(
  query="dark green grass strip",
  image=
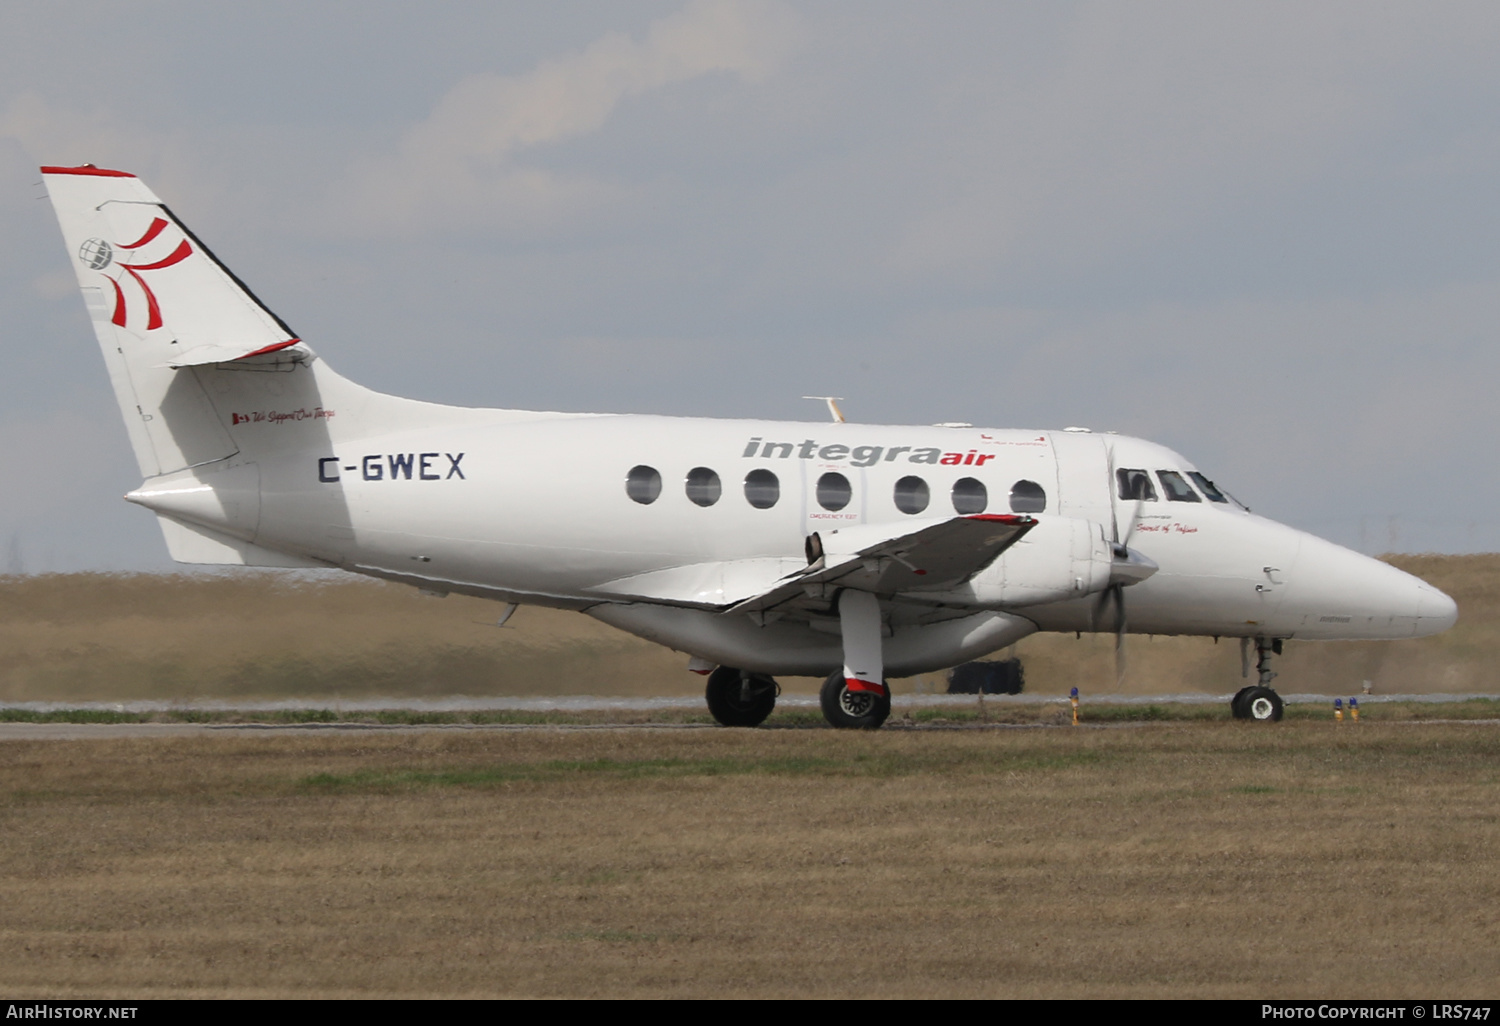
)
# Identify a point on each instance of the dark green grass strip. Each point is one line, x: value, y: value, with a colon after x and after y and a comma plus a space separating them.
x: 861, y: 764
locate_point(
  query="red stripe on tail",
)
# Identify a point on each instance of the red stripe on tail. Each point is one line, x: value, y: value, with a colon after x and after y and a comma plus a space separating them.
x: 157, y: 224
x: 153, y: 312
x: 182, y: 252
x: 87, y: 169
x: 119, y: 317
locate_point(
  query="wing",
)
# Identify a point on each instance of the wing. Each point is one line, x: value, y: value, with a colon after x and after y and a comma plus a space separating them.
x: 937, y: 557
x: 940, y: 555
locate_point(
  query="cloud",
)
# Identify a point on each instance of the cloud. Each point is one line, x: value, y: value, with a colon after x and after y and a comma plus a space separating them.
x: 50, y: 133
x: 460, y: 164
x: 1148, y: 118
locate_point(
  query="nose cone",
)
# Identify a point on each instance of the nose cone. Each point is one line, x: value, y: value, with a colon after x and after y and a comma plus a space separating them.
x: 1337, y: 593
x: 1436, y: 612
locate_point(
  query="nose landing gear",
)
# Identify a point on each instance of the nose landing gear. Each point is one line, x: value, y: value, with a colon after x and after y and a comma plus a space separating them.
x: 1258, y: 701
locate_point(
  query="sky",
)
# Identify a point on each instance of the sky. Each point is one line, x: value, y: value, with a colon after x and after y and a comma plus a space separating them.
x: 1266, y: 235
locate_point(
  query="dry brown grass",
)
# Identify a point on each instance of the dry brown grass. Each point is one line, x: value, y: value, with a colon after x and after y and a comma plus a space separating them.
x: 1226, y: 860
x: 99, y: 637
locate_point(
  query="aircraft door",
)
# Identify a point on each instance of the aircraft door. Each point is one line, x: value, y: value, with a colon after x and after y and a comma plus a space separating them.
x: 1083, y: 487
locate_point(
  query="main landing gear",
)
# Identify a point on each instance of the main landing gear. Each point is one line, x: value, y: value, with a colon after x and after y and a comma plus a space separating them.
x: 843, y: 706
x: 739, y: 698
x: 855, y: 697
x: 1258, y: 701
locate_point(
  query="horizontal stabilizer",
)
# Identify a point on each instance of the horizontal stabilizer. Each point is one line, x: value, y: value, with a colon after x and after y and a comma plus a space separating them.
x: 292, y: 350
x: 193, y: 543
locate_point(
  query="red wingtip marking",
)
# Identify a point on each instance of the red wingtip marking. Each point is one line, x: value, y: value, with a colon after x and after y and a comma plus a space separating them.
x: 119, y: 317
x: 1001, y: 518
x: 87, y: 169
x: 182, y: 252
x: 157, y: 224
x: 273, y: 347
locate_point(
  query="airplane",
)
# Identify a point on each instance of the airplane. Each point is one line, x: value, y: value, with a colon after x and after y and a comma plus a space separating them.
x: 757, y: 548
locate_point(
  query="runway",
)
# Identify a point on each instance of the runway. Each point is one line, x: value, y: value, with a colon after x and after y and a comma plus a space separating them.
x: 596, y: 703
x: 66, y: 731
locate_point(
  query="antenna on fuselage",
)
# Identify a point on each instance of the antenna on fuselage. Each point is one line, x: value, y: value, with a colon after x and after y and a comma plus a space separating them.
x: 833, y: 405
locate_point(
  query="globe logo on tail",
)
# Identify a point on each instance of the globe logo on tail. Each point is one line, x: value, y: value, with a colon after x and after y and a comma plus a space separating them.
x: 96, y: 253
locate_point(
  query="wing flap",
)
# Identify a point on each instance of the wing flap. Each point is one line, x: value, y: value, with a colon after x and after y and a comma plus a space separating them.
x: 712, y: 586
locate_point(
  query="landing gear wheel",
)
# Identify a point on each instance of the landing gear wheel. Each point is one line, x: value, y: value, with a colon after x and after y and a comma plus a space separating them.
x: 853, y: 710
x: 1237, y: 703
x: 1261, y: 704
x: 738, y: 699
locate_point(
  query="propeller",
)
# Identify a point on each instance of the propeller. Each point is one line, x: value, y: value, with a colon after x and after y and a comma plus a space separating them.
x: 1127, y: 568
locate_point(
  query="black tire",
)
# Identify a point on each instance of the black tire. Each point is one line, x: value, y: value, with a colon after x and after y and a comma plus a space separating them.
x: 853, y: 710
x: 738, y: 702
x: 1262, y: 705
x: 1237, y: 703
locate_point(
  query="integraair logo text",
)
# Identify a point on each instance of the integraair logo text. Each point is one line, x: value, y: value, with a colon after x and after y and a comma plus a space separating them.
x: 863, y: 455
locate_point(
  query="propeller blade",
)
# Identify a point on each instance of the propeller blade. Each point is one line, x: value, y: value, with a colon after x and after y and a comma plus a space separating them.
x: 1119, y: 636
x: 1115, y: 594
x: 1135, y: 518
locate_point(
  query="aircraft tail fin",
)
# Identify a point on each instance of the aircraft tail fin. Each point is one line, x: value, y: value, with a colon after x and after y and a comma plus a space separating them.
x: 159, y: 301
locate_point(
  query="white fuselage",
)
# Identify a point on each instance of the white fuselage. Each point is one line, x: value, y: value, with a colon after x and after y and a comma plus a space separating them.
x: 534, y: 507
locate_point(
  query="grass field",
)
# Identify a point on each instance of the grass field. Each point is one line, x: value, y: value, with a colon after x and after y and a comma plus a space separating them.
x: 99, y: 637
x: 1193, y: 859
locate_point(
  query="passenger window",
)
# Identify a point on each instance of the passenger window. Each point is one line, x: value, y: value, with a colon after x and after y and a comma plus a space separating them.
x: 643, y: 484
x: 1206, y: 487
x: 703, y: 486
x: 1176, y: 488
x: 1136, y: 485
x: 762, y: 489
x: 1028, y: 497
x: 969, y: 496
x: 912, y: 495
x: 834, y: 492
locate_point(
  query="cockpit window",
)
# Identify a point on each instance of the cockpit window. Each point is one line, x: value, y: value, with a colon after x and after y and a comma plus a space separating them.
x: 1176, y: 488
x: 1136, y: 485
x: 1207, y: 487
x: 1214, y: 492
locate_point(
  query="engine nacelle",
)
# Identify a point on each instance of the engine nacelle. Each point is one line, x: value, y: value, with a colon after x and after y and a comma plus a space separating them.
x: 1060, y: 558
